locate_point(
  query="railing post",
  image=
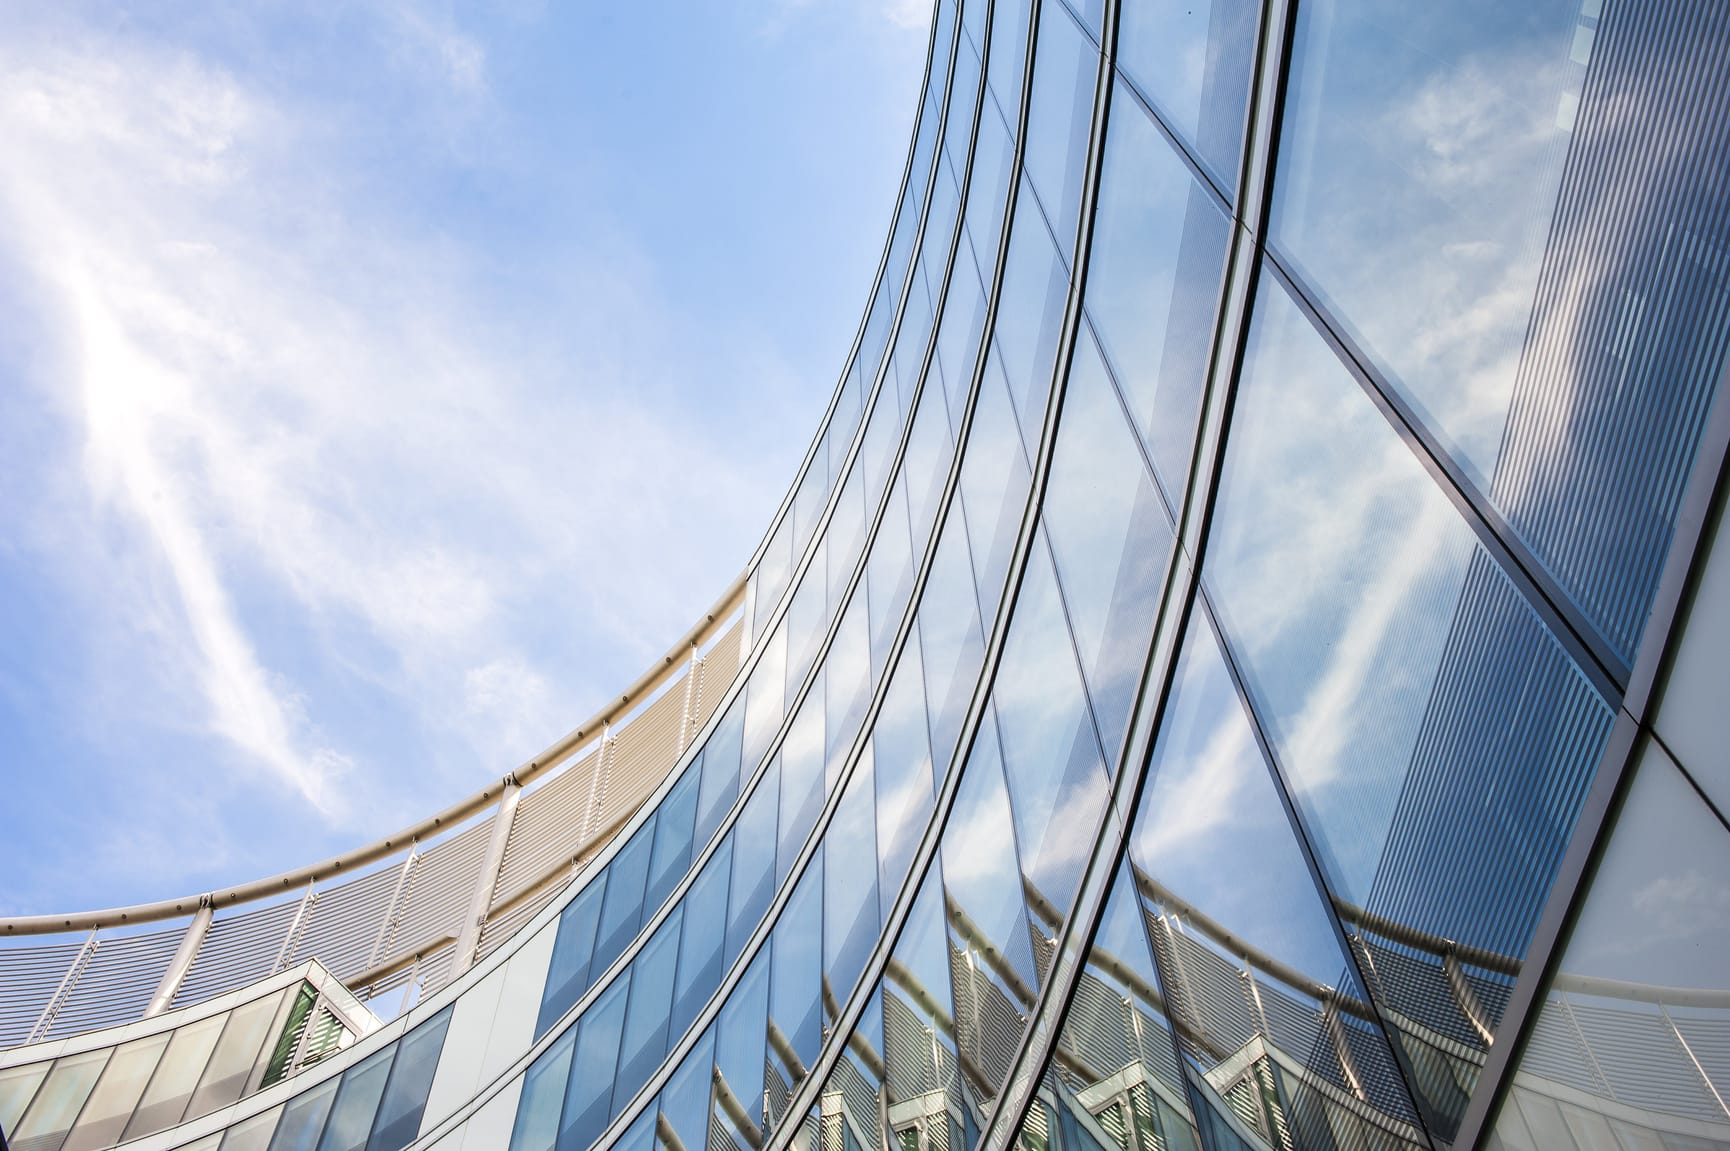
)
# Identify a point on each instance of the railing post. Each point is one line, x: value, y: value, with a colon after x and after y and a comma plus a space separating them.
x: 292, y: 939
x: 487, y: 881
x: 691, y: 699
x: 64, y: 991
x: 190, y: 941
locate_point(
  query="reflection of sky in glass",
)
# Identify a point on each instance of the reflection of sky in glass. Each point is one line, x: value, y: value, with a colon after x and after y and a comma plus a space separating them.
x: 1192, y: 58
x: 1064, y: 78
x: 1211, y: 828
x: 1659, y: 910
x: 1335, y: 563
x: 1419, y: 167
x: 1153, y: 283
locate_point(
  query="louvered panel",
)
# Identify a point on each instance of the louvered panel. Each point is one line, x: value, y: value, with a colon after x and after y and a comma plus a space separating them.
x: 1644, y: 1062
x: 341, y: 925
x: 549, y: 827
x: 117, y: 984
x: 1214, y: 991
x: 642, y: 752
x: 1555, y: 1052
x: 241, y: 948
x: 443, y: 885
x: 30, y: 976
x: 1709, y: 1039
x: 1419, y: 988
x: 857, y: 1094
x: 499, y: 931
x: 720, y: 666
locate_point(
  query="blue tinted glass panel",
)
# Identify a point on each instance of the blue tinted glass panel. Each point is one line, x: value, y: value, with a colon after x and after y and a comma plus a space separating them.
x: 795, y: 983
x: 356, y: 1103
x: 592, y: 1067
x: 417, y: 1057
x: 568, y: 974
x: 1057, y: 783
x: 888, y: 577
x: 1111, y: 540
x: 1153, y: 285
x: 807, y: 621
x: 994, y: 481
x: 901, y: 755
x: 850, y: 889
x: 801, y: 780
x: 685, y: 1100
x: 1030, y: 315
x: 959, y: 333
x: 846, y: 535
x: 537, y: 1123
x: 846, y: 688
x: 1193, y: 59
x: 644, y: 1040
x: 303, y: 1118
x: 622, y: 910
x: 1008, y: 58
x: 739, y: 1044
x: 700, y: 945
x: 753, y: 860
x: 1059, y: 118
x: 1391, y: 661
x: 672, y: 852
x: 1535, y: 267
x: 988, y: 918
x: 720, y: 770
x: 952, y: 647
x: 765, y: 697
x: 1211, y: 816
x: 930, y: 448
x: 988, y: 193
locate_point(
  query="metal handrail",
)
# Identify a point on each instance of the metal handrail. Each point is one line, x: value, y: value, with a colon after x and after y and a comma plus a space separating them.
x: 271, y: 886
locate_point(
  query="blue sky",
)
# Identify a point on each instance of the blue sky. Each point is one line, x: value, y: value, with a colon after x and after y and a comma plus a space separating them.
x: 384, y: 384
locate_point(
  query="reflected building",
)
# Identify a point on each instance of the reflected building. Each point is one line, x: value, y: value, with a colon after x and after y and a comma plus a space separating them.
x: 1240, y: 667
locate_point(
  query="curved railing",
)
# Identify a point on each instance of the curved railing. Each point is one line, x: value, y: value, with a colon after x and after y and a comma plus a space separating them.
x: 415, y: 908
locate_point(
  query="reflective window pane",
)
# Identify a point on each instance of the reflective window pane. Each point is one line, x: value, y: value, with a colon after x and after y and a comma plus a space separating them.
x: 593, y: 1065
x: 721, y: 770
x: 1008, y: 58
x: 356, y: 1103
x: 303, y: 1118
x: 801, y: 780
x: 987, y: 913
x: 405, y: 1096
x: 888, y: 578
x: 700, y: 944
x: 104, y: 1116
x: 237, y: 1052
x: 1051, y: 759
x: 543, y: 1095
x: 1111, y: 540
x: 1252, y: 962
x: 1629, y: 1046
x: 951, y: 644
x: 1193, y: 59
x: 252, y: 1134
x: 685, y: 1100
x: 900, y: 752
x: 1060, y: 115
x: 765, y: 701
x: 1153, y: 283
x: 1537, y: 269
x: 622, y: 910
x: 994, y: 482
x: 176, y: 1077
x: 568, y: 973
x: 739, y: 1052
x: 795, y: 988
x: 672, y: 853
x: 1392, y: 662
x: 1030, y: 316
x: 850, y: 890
x: 644, y: 1039
x: 753, y: 860
x: 18, y: 1086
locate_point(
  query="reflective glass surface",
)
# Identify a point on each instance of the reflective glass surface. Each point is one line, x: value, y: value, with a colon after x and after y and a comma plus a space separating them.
x: 1629, y: 1045
x: 1390, y: 661
x: 1192, y: 58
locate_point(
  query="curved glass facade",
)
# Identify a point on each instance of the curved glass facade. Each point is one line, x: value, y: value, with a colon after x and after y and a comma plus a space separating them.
x: 1236, y: 667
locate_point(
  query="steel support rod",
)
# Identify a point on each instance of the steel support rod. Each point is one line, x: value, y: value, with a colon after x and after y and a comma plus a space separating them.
x: 487, y: 880
x: 190, y: 941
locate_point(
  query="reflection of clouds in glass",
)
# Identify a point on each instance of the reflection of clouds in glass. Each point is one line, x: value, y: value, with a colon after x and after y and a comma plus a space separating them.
x: 1418, y: 181
x: 1336, y: 565
x: 1659, y: 910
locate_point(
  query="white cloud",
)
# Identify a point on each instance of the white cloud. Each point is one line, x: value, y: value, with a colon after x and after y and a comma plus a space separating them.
x: 284, y: 398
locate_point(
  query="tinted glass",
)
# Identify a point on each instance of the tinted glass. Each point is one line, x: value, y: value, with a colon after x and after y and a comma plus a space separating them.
x: 1059, y: 119
x: 700, y: 944
x: 303, y: 1118
x: 543, y: 1095
x: 1159, y: 243
x: 568, y: 973
x: 356, y: 1103
x: 110, y: 1105
x: 1193, y: 58
x: 405, y: 1096
x: 622, y: 910
x: 592, y: 1068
